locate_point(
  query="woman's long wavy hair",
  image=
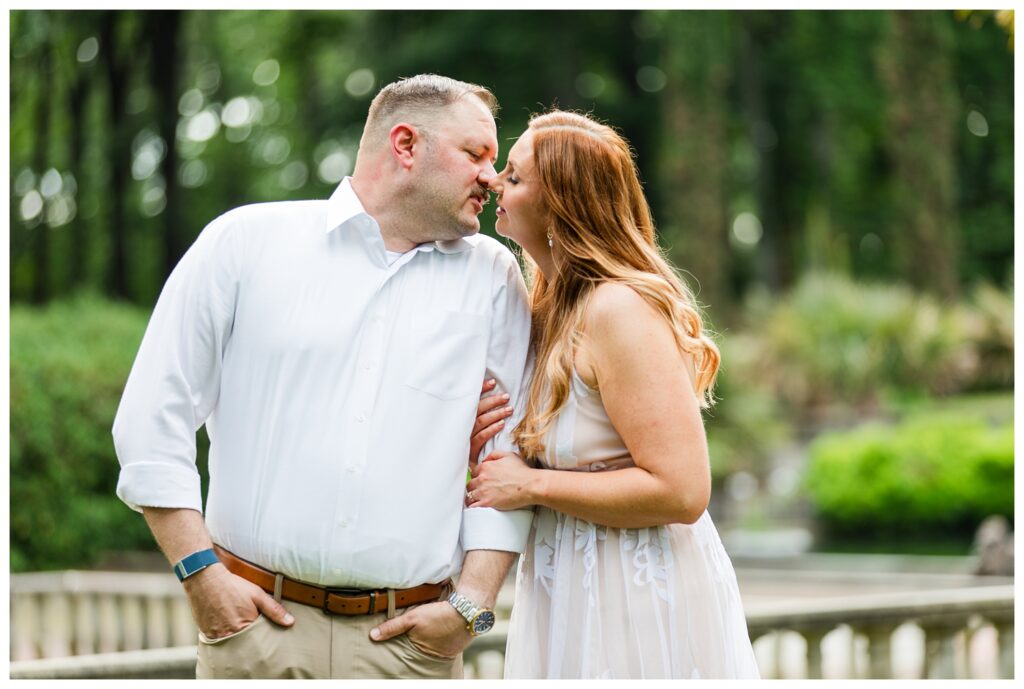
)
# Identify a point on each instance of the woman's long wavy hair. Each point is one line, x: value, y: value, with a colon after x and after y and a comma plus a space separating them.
x: 602, y: 231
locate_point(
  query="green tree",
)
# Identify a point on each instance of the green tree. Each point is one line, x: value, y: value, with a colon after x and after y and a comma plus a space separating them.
x: 915, y: 66
x: 694, y: 154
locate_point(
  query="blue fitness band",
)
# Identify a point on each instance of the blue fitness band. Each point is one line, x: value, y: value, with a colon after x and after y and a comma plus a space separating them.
x: 193, y: 563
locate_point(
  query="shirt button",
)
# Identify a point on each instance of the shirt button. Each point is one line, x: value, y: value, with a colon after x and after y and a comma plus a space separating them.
x: 360, y: 418
x: 367, y: 367
x: 352, y: 468
x: 343, y: 523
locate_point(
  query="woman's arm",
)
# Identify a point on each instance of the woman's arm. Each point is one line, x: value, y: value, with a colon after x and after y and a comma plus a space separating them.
x: 647, y: 389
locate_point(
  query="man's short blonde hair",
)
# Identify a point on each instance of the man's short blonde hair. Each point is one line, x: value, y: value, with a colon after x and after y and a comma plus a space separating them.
x: 418, y: 100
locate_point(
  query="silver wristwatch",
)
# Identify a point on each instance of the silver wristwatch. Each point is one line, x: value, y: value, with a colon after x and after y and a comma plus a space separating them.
x: 481, y: 620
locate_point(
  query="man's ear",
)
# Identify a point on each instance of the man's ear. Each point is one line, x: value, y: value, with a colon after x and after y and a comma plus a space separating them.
x: 403, y: 139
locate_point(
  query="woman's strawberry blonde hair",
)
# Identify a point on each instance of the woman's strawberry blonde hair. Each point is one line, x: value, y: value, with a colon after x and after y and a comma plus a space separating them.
x: 602, y: 229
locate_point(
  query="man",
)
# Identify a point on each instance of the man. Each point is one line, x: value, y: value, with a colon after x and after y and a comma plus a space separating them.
x: 335, y: 350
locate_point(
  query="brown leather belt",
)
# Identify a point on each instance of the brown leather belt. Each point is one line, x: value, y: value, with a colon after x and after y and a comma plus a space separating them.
x: 333, y: 601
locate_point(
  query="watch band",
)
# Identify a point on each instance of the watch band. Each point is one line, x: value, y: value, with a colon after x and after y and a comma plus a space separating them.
x: 193, y: 563
x: 465, y: 606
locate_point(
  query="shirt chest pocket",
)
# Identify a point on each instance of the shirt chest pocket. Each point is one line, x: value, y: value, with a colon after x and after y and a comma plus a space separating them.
x: 447, y: 354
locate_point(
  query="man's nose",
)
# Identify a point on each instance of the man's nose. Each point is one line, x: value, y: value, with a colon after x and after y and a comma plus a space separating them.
x: 487, y: 175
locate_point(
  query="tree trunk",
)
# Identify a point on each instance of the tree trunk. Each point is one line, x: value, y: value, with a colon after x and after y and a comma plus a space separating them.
x: 163, y: 29
x: 78, y: 90
x: 118, y: 155
x: 693, y: 157
x: 41, y: 158
x: 637, y: 121
x: 915, y: 66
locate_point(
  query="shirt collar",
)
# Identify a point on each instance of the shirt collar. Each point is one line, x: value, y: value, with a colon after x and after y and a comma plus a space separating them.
x: 344, y: 206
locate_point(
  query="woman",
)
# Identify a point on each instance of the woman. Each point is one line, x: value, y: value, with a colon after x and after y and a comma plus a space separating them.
x: 624, y: 575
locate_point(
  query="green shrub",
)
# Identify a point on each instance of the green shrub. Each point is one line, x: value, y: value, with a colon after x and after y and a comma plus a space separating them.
x: 832, y: 341
x: 746, y: 423
x: 69, y: 363
x: 933, y: 474
x: 986, y: 320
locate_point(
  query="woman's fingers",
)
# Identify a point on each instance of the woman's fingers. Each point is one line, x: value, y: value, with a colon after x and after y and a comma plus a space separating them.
x: 491, y: 412
x: 480, y: 438
x: 491, y: 409
x: 487, y: 433
x: 490, y: 418
x: 473, y: 492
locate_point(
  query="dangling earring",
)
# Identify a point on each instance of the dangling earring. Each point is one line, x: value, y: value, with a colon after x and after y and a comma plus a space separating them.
x: 551, y: 242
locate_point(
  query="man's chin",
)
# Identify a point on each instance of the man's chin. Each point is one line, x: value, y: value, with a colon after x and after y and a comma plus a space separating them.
x: 470, y: 228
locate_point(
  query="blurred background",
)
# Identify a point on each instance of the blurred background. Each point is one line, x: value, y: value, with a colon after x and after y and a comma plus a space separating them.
x: 836, y: 186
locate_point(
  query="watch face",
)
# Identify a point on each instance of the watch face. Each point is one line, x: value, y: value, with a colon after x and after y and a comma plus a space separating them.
x: 483, y: 622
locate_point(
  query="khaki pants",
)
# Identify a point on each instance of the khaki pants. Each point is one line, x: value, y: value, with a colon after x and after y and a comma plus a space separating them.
x: 318, y: 646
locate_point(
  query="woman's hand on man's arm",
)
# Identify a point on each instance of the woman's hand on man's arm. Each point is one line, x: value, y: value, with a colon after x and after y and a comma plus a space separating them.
x: 491, y: 413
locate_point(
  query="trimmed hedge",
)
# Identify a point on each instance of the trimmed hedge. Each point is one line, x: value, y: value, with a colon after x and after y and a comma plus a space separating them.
x: 69, y: 363
x: 933, y: 474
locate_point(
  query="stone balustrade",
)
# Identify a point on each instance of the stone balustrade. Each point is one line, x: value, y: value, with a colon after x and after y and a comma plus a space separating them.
x: 944, y: 626
x: 102, y: 624
x: 66, y: 613
x: 78, y: 624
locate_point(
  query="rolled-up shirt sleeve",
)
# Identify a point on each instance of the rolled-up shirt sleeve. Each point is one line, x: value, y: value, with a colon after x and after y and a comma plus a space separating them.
x: 508, y: 362
x: 175, y: 380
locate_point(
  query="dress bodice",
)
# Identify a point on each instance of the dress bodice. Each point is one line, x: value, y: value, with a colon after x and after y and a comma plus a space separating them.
x: 582, y: 437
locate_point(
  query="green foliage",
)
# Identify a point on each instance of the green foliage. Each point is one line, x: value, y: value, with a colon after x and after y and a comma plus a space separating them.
x: 986, y: 322
x: 935, y: 473
x: 833, y: 349
x: 746, y: 423
x: 782, y: 115
x: 69, y: 362
x: 834, y: 341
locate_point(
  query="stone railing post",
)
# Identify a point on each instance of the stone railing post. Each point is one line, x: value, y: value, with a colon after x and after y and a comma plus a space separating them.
x: 24, y: 627
x: 940, y: 650
x: 134, y: 624
x: 879, y: 650
x: 1004, y: 629
x: 57, y: 626
x: 108, y: 624
x: 183, y: 627
x: 158, y: 625
x: 777, y: 637
x: 85, y: 623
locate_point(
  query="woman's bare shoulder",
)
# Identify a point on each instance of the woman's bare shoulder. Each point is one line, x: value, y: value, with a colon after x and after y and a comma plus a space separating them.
x: 619, y: 325
x: 617, y: 310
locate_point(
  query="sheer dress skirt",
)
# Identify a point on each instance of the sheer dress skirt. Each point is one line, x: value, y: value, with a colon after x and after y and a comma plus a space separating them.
x: 599, y: 602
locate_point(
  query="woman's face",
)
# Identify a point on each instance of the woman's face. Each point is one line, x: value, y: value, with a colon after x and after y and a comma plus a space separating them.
x: 521, y: 216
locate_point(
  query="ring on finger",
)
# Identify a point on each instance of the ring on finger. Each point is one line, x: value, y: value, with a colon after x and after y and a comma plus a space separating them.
x: 470, y: 495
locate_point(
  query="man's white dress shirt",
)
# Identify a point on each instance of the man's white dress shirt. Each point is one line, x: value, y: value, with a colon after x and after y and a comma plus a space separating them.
x: 338, y: 392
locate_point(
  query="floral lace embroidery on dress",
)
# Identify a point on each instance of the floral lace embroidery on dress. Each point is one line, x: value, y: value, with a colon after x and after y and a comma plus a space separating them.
x: 587, y: 536
x: 545, y: 525
x: 651, y: 557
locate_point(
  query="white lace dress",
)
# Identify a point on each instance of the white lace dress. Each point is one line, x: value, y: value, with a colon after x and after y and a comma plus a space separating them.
x: 600, y: 602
